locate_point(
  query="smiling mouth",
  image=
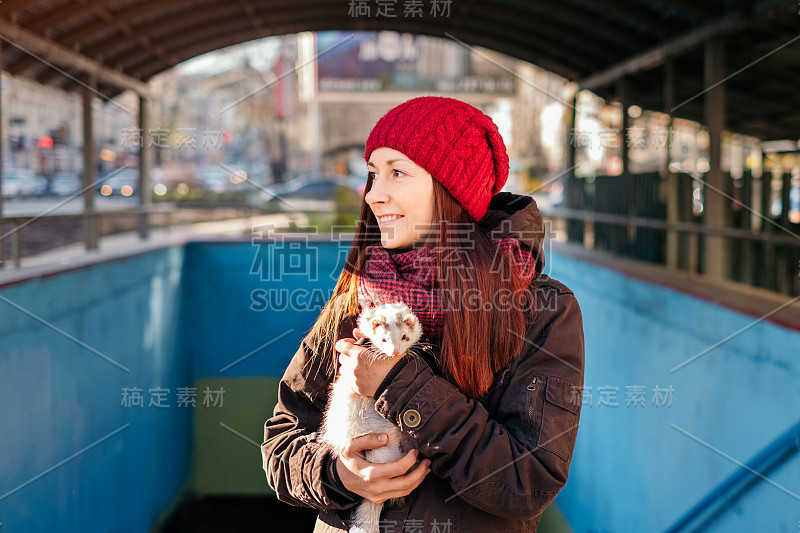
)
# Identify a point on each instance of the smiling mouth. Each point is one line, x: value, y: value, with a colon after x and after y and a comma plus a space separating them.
x: 385, y: 221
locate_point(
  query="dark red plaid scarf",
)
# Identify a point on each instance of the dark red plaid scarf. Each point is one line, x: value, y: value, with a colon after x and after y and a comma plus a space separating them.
x: 408, y: 277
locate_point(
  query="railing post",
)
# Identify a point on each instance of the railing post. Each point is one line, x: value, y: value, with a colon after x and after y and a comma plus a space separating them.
x: 767, y: 274
x: 16, y: 253
x: 144, y: 168
x: 89, y: 165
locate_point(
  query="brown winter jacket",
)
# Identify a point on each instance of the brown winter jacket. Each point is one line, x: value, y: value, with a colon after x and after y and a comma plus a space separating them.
x: 496, y: 463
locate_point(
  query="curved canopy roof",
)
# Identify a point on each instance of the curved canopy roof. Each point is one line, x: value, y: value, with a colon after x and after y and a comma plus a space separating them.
x: 593, y: 42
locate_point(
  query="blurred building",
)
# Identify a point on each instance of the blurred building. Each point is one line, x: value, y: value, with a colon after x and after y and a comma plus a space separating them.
x: 348, y: 81
x: 39, y: 130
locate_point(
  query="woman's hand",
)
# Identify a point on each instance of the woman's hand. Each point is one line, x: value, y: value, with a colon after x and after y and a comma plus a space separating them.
x: 378, y: 482
x: 364, y: 372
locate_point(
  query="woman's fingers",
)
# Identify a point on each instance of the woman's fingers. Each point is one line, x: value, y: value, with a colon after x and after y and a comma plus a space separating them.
x: 396, y: 468
x: 404, y: 484
x: 343, y: 345
x: 370, y: 441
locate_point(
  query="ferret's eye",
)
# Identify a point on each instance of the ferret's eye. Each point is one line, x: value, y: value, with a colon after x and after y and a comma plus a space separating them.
x: 384, y: 339
x: 405, y: 338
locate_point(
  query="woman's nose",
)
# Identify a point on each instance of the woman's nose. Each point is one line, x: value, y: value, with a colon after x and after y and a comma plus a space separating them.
x: 377, y: 193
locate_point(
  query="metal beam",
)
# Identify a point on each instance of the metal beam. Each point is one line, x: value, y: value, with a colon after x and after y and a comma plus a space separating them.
x: 677, y: 45
x: 655, y: 56
x: 634, y: 16
x: 145, y: 68
x: 209, y: 22
x: 62, y: 14
x: 62, y: 56
x: 695, y: 11
x: 9, y: 8
x: 572, y: 20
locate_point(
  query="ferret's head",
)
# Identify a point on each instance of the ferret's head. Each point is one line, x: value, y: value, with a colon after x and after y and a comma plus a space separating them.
x: 393, y: 328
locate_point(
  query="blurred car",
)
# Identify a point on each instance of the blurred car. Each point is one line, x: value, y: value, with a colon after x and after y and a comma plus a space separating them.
x: 122, y: 182
x: 314, y: 193
x: 259, y: 173
x: 23, y: 182
x: 219, y: 178
x: 65, y: 184
x: 42, y: 185
x: 10, y: 185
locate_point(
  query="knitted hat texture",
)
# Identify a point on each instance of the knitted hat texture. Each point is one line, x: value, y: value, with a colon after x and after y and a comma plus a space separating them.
x: 457, y: 143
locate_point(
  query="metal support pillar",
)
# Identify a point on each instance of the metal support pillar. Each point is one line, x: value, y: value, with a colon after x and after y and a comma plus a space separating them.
x: 622, y: 89
x: 145, y: 189
x: 715, y: 251
x: 672, y: 196
x: 90, y: 234
x: 2, y: 227
x: 572, y: 115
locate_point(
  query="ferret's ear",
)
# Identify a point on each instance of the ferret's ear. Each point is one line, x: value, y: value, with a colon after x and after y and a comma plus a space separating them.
x: 375, y: 324
x: 410, y: 320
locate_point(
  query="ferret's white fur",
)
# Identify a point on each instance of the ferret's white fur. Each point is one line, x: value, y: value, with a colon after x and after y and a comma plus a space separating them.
x: 390, y: 327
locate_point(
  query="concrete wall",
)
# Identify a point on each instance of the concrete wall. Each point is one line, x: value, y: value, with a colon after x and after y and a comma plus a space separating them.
x: 246, y: 307
x: 73, y: 457
x: 639, y: 468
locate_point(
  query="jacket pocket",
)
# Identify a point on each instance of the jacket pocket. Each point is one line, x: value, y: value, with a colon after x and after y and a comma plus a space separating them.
x: 533, y: 407
x: 560, y: 415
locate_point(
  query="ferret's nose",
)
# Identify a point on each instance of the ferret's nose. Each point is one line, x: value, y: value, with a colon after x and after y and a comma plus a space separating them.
x: 395, y: 352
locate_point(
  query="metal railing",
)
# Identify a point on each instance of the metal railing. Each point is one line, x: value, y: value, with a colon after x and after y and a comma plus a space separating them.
x: 772, y: 237
x: 684, y: 227
x: 90, y: 235
x: 742, y: 480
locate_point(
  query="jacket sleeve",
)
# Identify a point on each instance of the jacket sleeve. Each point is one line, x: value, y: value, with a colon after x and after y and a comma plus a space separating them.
x: 512, y: 464
x: 300, y: 468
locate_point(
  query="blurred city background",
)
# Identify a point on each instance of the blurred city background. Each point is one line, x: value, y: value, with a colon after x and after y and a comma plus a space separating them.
x: 180, y: 181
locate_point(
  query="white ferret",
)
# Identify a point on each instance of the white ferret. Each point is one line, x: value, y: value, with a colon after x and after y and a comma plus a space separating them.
x: 393, y: 329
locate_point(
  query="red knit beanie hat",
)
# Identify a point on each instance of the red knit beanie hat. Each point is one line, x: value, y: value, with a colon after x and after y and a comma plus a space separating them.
x: 457, y: 143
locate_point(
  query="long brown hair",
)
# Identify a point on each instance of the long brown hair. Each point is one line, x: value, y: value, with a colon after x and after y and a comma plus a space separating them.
x: 476, y: 342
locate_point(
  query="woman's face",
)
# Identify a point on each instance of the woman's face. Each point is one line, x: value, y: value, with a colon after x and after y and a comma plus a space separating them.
x: 401, y: 188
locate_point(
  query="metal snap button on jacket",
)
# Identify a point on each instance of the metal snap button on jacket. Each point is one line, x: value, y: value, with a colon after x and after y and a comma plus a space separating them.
x: 411, y: 418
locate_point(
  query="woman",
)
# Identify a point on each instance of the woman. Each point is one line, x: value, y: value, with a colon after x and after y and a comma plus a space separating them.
x: 493, y: 404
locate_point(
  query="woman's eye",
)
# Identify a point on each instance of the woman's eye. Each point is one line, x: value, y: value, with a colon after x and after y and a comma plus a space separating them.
x: 396, y: 173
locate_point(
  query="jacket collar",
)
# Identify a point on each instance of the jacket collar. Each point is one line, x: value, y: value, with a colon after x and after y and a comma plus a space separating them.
x: 516, y: 215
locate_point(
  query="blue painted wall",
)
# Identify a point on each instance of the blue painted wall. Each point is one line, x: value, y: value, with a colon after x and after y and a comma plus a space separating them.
x: 253, y: 303
x: 72, y: 457
x: 633, y: 468
x: 199, y: 311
